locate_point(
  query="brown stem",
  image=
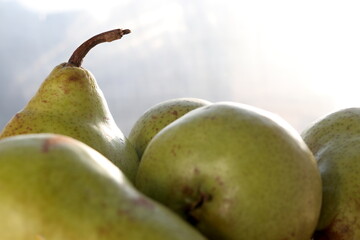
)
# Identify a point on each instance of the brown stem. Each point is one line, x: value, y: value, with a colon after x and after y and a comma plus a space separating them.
x: 79, y: 54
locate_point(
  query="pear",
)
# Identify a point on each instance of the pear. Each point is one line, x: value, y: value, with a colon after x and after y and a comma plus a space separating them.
x: 234, y: 172
x: 335, y: 142
x: 70, y: 102
x: 159, y: 116
x: 55, y: 187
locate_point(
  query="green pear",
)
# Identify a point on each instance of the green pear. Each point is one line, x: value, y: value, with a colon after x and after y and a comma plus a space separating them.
x: 159, y: 116
x: 234, y: 172
x: 335, y: 142
x: 70, y: 102
x: 53, y: 187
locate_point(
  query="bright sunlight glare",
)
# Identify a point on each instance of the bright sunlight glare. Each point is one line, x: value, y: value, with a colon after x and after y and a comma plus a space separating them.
x: 317, y: 45
x: 98, y: 9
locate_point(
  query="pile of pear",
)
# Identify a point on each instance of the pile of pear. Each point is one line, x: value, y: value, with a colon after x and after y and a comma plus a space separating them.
x: 54, y: 187
x: 66, y: 169
x: 189, y: 169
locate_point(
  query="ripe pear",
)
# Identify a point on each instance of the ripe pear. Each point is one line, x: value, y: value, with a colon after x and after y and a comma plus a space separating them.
x: 55, y: 187
x: 159, y: 116
x: 234, y: 172
x: 335, y: 142
x: 70, y: 102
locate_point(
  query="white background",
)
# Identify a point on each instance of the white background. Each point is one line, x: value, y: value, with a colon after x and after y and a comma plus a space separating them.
x: 298, y: 59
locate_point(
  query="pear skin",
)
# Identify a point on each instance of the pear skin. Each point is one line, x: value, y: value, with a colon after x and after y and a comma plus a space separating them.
x: 54, y: 187
x: 335, y: 142
x: 335, y: 126
x: 70, y: 102
x: 234, y: 172
x: 159, y: 116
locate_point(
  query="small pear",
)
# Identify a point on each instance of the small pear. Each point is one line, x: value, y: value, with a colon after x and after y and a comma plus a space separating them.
x: 159, y: 116
x: 54, y: 187
x: 335, y: 142
x: 234, y: 172
x: 70, y: 102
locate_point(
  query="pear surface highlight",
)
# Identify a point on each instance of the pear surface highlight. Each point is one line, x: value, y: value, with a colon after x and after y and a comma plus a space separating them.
x: 55, y: 187
x: 234, y: 172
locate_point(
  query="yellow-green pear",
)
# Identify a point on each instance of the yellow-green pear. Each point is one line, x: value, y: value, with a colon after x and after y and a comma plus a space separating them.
x: 335, y: 142
x: 235, y: 172
x: 70, y: 102
x: 159, y: 116
x: 53, y: 187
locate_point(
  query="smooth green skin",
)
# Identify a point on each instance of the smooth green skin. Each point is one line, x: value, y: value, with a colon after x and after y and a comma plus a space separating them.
x: 69, y: 102
x: 54, y: 187
x: 235, y: 172
x: 159, y: 116
x: 335, y: 142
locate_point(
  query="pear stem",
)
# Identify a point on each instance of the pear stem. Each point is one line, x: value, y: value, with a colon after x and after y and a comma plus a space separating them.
x: 109, y: 36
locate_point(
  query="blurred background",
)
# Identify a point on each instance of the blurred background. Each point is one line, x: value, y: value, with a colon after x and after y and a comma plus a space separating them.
x: 298, y: 59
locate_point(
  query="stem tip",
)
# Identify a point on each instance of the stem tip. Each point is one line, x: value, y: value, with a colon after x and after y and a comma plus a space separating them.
x: 79, y: 54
